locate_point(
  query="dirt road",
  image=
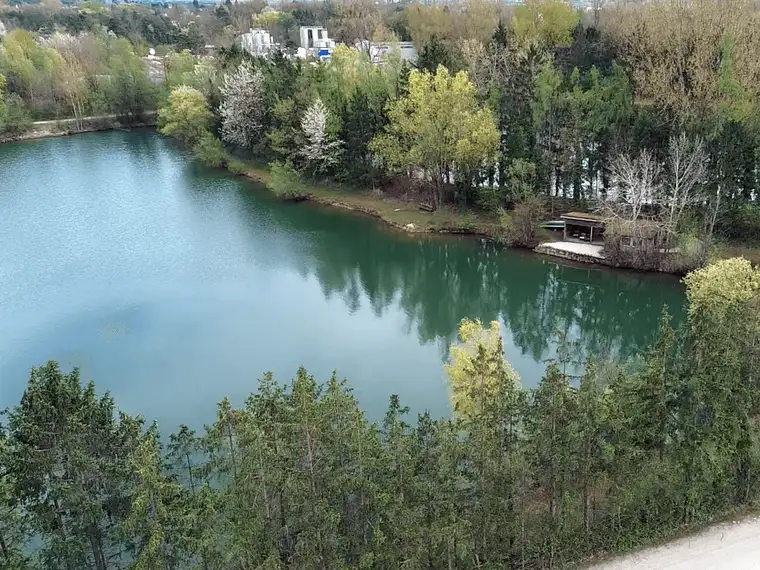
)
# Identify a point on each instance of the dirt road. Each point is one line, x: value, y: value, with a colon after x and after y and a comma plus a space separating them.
x: 731, y: 546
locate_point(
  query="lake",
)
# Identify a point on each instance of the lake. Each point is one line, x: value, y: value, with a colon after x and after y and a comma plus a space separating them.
x: 172, y: 286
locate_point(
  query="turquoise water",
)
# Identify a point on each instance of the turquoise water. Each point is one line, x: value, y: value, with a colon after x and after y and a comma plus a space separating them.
x: 172, y: 286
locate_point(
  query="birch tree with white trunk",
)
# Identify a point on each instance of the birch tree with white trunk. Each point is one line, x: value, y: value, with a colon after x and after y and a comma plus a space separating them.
x: 320, y: 150
x: 243, y: 107
x: 687, y: 161
x: 638, y: 184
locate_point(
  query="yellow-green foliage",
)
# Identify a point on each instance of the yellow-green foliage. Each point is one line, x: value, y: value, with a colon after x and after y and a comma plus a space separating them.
x: 187, y: 117
x: 2, y: 97
x: 438, y: 125
x: 546, y: 22
x: 477, y: 368
x: 722, y: 285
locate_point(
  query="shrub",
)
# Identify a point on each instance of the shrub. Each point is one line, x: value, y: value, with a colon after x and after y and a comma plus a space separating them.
x: 285, y: 182
x: 15, y: 120
x: 237, y: 167
x: 209, y: 151
x: 491, y: 199
x: 520, y: 227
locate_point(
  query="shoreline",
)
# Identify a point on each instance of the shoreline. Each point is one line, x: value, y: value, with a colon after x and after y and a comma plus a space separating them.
x: 399, y: 215
x: 67, y: 127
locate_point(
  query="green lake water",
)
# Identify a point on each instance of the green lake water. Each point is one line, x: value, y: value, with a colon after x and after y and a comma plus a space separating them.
x: 172, y: 286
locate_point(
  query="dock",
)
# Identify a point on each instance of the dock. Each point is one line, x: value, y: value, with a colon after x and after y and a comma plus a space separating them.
x: 574, y: 251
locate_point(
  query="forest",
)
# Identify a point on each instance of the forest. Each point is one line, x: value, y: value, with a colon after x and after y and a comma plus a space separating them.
x: 298, y: 477
x: 644, y: 113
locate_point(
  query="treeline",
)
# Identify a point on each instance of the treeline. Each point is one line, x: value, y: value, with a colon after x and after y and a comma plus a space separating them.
x: 655, y: 129
x: 647, y: 113
x: 299, y: 478
x: 65, y: 76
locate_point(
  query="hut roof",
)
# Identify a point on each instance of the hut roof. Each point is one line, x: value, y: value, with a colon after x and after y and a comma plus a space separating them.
x: 583, y: 216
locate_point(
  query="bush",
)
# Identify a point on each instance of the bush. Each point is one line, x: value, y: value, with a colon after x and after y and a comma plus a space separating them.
x: 520, y: 227
x: 741, y: 222
x: 209, y: 151
x: 16, y: 119
x: 492, y: 198
x: 285, y: 182
x: 237, y: 167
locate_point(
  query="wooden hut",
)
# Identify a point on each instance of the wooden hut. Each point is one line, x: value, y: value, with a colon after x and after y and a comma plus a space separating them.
x: 583, y: 227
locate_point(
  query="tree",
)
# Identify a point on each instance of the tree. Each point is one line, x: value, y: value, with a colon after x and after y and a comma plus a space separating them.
x: 320, y: 149
x: 179, y: 68
x: 550, y: 433
x: 687, y: 163
x: 210, y: 151
x: 29, y: 67
x: 2, y: 102
x: 549, y: 23
x: 477, y: 369
x: 13, y: 526
x: 129, y: 92
x: 243, y: 106
x: 638, y: 184
x: 72, y: 83
x: 66, y: 451
x: 438, y: 127
x: 357, y: 21
x: 477, y: 21
x: 721, y: 391
x: 152, y: 522
x: 187, y: 116
x: 285, y: 181
x: 426, y: 22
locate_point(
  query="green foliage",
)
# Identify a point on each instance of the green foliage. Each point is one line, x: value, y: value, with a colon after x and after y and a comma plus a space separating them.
x: 540, y: 107
x: 286, y: 182
x: 76, y: 493
x: 520, y: 226
x: 179, y: 68
x: 619, y: 456
x: 547, y: 22
x: 187, y: 115
x: 477, y: 369
x: 210, y: 151
x: 437, y: 125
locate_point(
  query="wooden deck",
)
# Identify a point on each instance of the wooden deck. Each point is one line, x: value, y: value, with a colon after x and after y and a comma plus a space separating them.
x: 574, y: 251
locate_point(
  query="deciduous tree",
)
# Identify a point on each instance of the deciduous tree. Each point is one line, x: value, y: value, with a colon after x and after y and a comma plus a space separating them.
x: 187, y: 116
x: 438, y: 127
x: 243, y: 106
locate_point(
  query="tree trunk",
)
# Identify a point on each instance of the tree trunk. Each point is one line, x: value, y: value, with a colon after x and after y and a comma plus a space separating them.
x: 97, y: 551
x: 264, y: 484
x: 4, y: 549
x: 61, y: 524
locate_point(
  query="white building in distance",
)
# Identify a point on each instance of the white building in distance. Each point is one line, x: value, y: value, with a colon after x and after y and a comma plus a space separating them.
x: 257, y: 42
x: 379, y: 51
x: 315, y: 42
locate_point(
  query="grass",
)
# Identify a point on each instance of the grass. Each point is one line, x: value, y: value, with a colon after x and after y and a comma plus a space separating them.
x: 397, y: 213
x: 729, y: 250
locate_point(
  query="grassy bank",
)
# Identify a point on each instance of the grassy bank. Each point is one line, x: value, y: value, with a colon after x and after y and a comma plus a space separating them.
x: 400, y: 214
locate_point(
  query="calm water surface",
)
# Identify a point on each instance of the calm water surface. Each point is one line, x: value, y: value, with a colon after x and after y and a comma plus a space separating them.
x: 173, y: 286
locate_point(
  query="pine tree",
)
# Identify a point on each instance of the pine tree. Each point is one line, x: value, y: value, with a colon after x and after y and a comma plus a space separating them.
x: 153, y: 522
x: 66, y: 451
x: 549, y: 447
x: 13, y: 526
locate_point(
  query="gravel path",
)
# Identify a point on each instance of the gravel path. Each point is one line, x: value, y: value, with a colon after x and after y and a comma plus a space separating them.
x: 731, y: 546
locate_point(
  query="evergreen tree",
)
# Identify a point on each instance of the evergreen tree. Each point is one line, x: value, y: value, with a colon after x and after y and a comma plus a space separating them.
x: 66, y: 454
x: 153, y: 523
